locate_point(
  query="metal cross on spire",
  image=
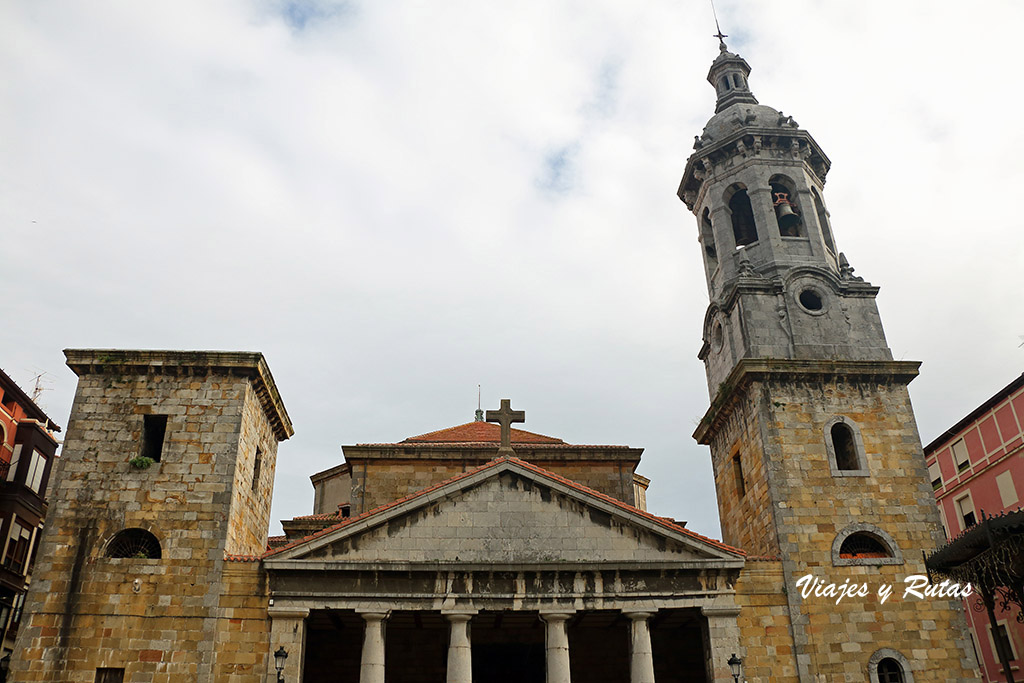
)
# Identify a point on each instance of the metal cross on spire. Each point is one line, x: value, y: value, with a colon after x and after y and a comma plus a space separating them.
x: 721, y: 36
x: 505, y: 416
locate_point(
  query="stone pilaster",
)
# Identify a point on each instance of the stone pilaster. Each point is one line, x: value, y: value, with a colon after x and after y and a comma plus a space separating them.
x: 641, y: 658
x: 557, y: 647
x: 723, y: 640
x: 371, y: 666
x: 287, y: 630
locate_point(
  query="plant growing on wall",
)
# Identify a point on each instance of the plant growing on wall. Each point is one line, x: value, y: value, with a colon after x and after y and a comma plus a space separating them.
x: 141, y: 462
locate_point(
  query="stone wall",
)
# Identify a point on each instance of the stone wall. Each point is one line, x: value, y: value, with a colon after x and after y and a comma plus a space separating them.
x: 379, y: 482
x: 764, y: 623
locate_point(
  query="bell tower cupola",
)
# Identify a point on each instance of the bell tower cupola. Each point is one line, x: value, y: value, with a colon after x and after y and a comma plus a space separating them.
x: 729, y: 77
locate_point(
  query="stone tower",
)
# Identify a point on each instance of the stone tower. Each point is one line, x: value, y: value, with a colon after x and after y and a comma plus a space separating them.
x: 817, y: 460
x: 166, y: 473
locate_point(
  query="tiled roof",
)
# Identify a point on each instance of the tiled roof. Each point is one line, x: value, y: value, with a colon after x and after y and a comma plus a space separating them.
x: 660, y: 521
x: 479, y: 432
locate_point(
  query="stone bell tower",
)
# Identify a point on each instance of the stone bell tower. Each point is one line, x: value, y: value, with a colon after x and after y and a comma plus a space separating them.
x: 817, y: 460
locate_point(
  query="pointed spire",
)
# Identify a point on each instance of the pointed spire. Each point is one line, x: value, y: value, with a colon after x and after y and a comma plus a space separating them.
x: 479, y: 413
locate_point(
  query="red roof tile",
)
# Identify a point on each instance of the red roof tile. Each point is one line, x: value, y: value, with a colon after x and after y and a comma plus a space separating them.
x: 479, y: 432
x: 661, y: 521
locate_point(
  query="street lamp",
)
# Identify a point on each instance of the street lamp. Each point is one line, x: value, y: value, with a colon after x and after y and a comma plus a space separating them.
x: 279, y: 658
x: 736, y: 664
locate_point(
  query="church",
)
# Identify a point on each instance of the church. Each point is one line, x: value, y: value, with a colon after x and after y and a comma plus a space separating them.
x: 485, y: 553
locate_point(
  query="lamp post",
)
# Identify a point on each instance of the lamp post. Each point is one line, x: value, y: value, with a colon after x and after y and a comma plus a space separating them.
x: 736, y: 664
x: 279, y: 658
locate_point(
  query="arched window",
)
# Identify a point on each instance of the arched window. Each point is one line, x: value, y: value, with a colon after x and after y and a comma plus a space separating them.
x: 134, y: 543
x: 826, y: 229
x: 743, y: 227
x: 707, y: 238
x: 787, y: 213
x: 845, y: 448
x: 889, y: 666
x: 724, y: 81
x: 864, y: 545
x: 890, y: 671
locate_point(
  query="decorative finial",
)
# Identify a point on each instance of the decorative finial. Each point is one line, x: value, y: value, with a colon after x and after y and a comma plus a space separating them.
x: 479, y: 412
x: 721, y: 36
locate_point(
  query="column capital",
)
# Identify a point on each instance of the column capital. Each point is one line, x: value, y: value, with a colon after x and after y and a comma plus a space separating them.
x: 288, y: 612
x: 556, y: 616
x: 638, y: 615
x: 374, y: 615
x: 456, y: 617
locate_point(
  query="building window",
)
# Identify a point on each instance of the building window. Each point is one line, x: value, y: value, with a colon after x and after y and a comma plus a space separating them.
x: 36, y: 468
x: 18, y: 542
x: 890, y: 671
x: 743, y: 227
x: 889, y: 666
x: 935, y: 474
x: 257, y: 466
x: 109, y: 675
x: 737, y: 470
x: 1007, y: 491
x: 965, y: 511
x: 999, y: 637
x: 960, y: 456
x: 134, y: 543
x: 864, y: 545
x: 845, y: 448
x: 153, y: 429
x: 12, y: 469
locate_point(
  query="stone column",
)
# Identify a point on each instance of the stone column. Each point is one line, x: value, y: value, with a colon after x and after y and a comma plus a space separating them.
x: 722, y: 641
x: 371, y: 666
x: 557, y: 647
x: 287, y: 630
x: 460, y: 655
x: 641, y: 659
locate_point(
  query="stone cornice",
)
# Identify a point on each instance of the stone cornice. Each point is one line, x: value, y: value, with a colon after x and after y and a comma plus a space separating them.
x: 755, y: 369
x: 488, y: 451
x: 250, y: 364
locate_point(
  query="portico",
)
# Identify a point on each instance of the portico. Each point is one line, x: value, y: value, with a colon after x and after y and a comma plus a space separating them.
x: 507, y: 573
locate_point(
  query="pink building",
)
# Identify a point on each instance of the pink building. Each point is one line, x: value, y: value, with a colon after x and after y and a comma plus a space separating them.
x: 976, y: 468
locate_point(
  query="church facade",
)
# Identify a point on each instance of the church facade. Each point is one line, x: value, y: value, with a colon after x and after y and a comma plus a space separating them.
x: 486, y: 553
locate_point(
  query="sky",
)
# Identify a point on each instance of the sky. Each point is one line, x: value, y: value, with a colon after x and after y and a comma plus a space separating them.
x: 397, y: 201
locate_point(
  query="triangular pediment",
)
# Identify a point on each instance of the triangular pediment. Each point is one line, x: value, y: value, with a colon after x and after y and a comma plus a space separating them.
x: 507, y: 512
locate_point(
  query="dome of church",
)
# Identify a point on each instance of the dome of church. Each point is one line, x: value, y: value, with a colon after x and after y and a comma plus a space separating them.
x: 741, y: 114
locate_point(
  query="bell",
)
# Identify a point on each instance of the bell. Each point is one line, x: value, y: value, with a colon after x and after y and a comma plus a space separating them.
x: 788, y: 218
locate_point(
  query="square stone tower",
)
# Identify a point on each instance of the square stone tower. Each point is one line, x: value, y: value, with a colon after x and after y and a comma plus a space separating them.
x: 168, y: 468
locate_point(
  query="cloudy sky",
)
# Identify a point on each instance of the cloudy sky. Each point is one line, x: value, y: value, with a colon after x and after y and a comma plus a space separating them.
x: 398, y: 201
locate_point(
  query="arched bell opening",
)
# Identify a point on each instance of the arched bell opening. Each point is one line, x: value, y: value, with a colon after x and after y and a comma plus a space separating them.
x: 744, y: 229
x: 707, y: 240
x: 787, y: 212
x: 826, y: 229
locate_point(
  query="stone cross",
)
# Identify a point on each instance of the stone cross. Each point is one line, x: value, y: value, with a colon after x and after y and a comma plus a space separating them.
x: 505, y: 416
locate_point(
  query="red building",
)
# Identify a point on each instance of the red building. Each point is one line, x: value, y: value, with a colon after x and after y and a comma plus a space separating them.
x: 27, y: 451
x: 977, y: 468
